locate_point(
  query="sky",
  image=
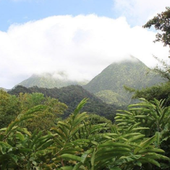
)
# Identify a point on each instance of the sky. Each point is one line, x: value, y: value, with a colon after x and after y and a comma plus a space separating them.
x: 77, y: 37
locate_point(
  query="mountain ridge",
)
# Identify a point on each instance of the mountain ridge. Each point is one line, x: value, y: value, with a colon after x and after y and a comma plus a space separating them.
x: 71, y: 96
x: 49, y: 80
x: 109, y: 84
x: 132, y: 73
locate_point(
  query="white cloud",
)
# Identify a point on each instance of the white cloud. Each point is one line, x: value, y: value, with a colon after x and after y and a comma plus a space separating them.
x: 139, y: 11
x: 82, y: 46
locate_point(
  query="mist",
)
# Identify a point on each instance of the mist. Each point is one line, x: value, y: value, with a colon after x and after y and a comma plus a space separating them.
x: 80, y: 47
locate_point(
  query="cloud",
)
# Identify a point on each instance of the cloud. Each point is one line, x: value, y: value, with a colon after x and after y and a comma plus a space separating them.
x: 81, y: 46
x: 139, y: 11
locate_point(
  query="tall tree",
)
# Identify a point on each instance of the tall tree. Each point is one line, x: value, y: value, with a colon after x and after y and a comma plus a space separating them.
x: 9, y: 108
x: 161, y: 22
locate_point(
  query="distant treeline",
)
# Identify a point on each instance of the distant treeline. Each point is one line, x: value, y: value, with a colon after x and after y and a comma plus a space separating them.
x: 71, y: 96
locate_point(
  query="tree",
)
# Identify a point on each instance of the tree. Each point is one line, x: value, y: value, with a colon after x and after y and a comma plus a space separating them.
x: 80, y: 142
x: 20, y: 149
x: 48, y: 117
x: 9, y: 108
x: 161, y: 22
x: 151, y: 119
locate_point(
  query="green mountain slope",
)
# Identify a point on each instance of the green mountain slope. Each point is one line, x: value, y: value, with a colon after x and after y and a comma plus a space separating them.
x: 47, y: 80
x: 71, y: 96
x: 1, y: 88
x: 109, y: 84
x: 110, y: 97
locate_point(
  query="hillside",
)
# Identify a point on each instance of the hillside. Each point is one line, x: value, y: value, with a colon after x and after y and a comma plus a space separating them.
x: 48, y: 80
x: 1, y: 88
x: 71, y: 96
x: 109, y: 84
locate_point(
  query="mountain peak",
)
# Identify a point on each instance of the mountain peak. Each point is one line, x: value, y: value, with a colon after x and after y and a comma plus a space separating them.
x: 132, y: 59
x: 129, y: 59
x: 130, y: 72
x: 50, y: 80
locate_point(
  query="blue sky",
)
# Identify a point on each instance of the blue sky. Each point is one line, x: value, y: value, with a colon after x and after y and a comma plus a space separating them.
x: 77, y: 37
x: 20, y: 11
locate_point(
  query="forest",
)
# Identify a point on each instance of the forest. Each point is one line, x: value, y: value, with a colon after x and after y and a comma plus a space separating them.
x: 34, y: 135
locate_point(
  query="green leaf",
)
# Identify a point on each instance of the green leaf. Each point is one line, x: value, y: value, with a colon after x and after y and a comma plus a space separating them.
x: 83, y: 157
x: 149, y: 160
x: 71, y: 157
x: 79, y: 107
x: 77, y: 166
x: 93, y: 159
x: 114, y: 144
x: 115, y: 168
x: 145, y: 144
x: 20, y: 136
x: 67, y: 168
x: 147, y: 150
x: 132, y: 139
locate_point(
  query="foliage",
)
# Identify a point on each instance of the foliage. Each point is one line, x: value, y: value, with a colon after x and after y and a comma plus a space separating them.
x: 83, y: 145
x: 111, y: 97
x: 159, y: 92
x: 149, y: 118
x: 48, y: 80
x: 132, y: 73
x: 163, y: 69
x: 71, y: 96
x: 19, y: 149
x: 11, y: 106
x: 47, y: 118
x: 89, y: 142
x: 161, y: 22
x: 36, y: 139
x: 153, y: 116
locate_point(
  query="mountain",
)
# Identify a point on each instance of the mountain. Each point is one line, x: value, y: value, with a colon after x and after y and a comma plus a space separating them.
x: 48, y: 80
x: 109, y: 84
x: 1, y: 88
x: 110, y: 97
x: 71, y: 96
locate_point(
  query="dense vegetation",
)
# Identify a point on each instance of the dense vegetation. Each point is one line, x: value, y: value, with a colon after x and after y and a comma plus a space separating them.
x: 71, y: 96
x: 109, y: 84
x: 47, y: 80
x: 11, y: 106
x: 82, y: 141
x: 161, y: 22
x: 34, y: 136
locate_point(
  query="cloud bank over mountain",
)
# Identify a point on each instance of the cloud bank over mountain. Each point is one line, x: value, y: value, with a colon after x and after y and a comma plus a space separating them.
x: 81, y: 46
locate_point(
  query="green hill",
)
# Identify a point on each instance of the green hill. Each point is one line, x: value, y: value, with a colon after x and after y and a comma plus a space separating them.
x: 71, y: 96
x: 48, y: 80
x: 109, y: 84
x: 110, y: 97
x: 1, y: 88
